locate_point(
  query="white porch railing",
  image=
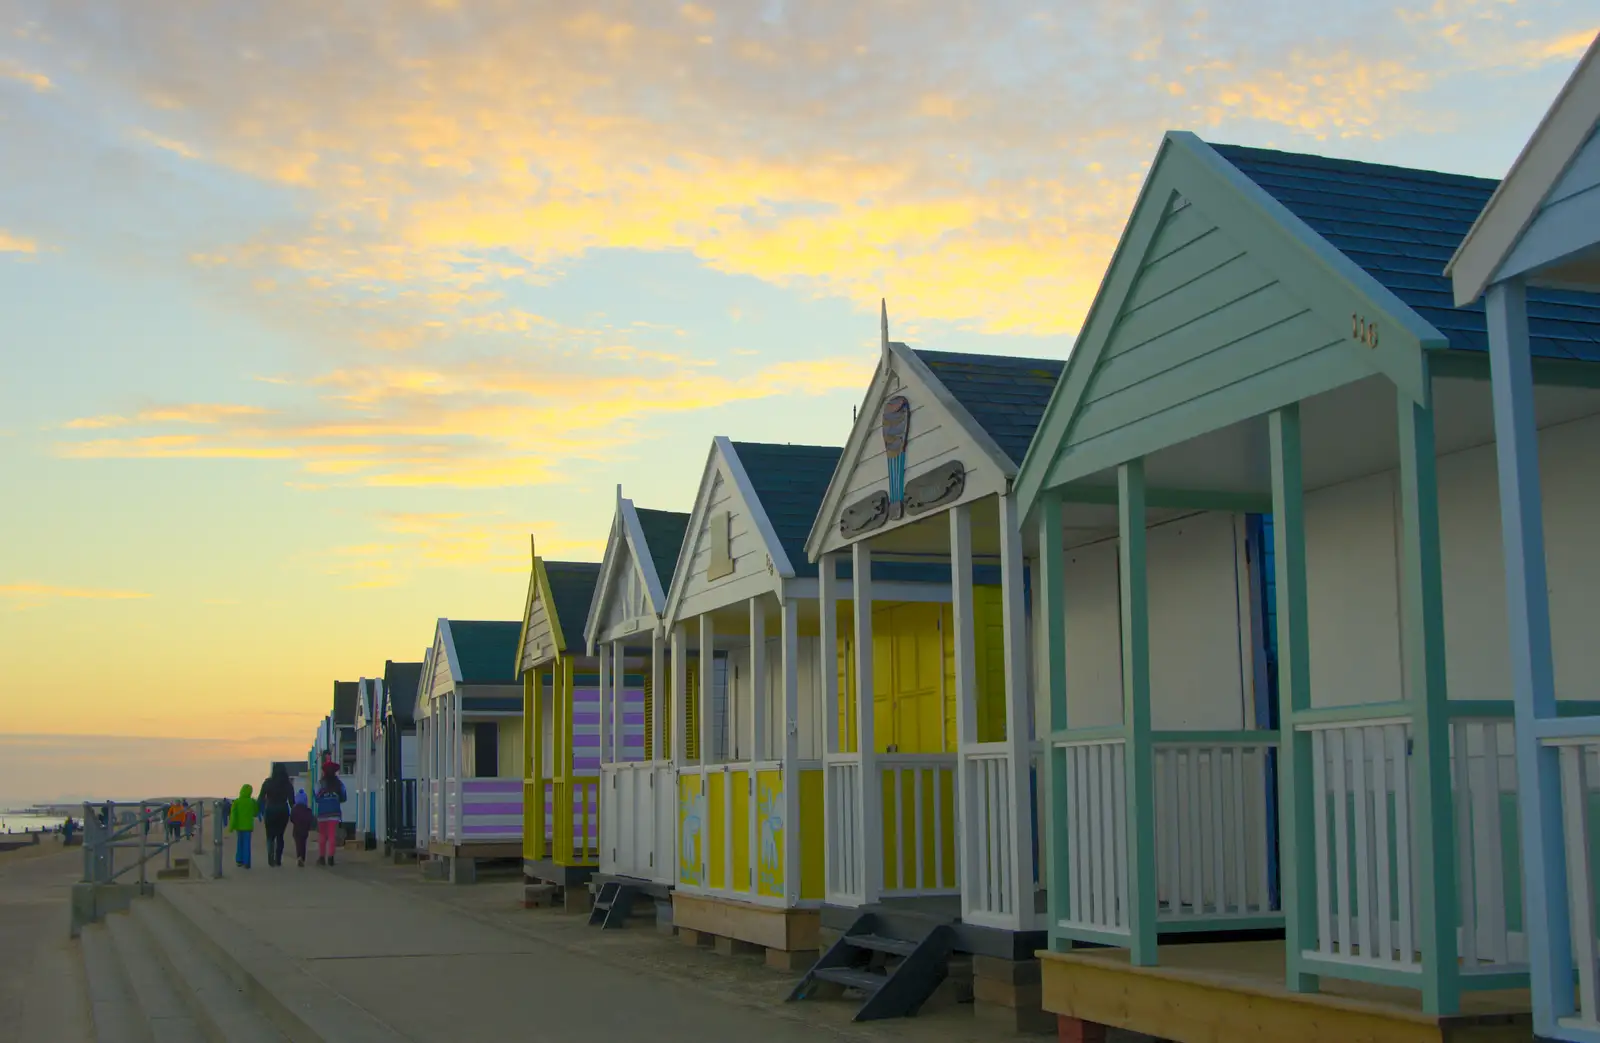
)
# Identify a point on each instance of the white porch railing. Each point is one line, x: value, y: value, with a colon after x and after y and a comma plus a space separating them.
x: 989, y: 809
x: 1096, y: 835
x: 843, y: 847
x: 638, y: 820
x: 919, y: 824
x: 1212, y: 832
x: 1484, y: 782
x: 1580, y: 778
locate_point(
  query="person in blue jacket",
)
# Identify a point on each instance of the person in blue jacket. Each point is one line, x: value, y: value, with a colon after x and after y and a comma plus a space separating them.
x: 329, y: 801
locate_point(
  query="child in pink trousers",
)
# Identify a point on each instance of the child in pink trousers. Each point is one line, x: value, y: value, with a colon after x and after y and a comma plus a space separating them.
x: 329, y: 801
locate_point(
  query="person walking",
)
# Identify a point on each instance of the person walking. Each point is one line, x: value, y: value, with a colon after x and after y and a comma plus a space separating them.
x: 190, y: 820
x: 330, y: 799
x: 174, y: 821
x: 277, y: 793
x: 304, y: 821
x: 242, y: 820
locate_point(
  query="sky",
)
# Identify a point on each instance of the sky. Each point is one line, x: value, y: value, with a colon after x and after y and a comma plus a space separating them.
x: 312, y: 313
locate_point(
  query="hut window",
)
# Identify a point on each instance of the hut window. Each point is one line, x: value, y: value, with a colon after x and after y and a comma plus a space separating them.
x: 721, y: 546
x: 486, y: 750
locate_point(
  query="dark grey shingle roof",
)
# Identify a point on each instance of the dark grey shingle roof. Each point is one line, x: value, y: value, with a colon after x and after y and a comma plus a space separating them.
x: 345, y: 696
x: 1007, y: 396
x: 790, y: 481
x: 400, y: 681
x: 1402, y: 226
x: 571, y: 591
x: 663, y: 536
x: 486, y: 650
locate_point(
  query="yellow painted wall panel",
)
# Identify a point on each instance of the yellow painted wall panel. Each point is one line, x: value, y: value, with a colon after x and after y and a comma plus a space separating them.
x: 717, y: 830
x: 770, y: 834
x: 691, y: 829
x: 739, y: 784
x: 812, y: 867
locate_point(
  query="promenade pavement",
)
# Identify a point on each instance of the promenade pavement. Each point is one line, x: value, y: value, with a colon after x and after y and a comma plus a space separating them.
x: 437, y: 962
x: 42, y: 997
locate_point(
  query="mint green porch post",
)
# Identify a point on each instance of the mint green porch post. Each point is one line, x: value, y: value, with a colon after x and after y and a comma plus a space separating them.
x: 1053, y: 615
x: 1297, y: 838
x: 1422, y: 631
x: 1136, y: 715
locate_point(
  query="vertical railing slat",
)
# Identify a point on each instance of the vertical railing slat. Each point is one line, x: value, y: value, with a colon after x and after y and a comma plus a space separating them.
x: 1487, y: 833
x: 1398, y: 738
x: 1461, y: 769
x: 1363, y: 847
x: 1380, y: 836
x: 1118, y: 840
x: 1580, y: 894
x: 1319, y: 793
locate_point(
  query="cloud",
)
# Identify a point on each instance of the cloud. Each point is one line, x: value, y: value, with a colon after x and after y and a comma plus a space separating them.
x: 32, y: 595
x: 38, y: 81
x: 414, y: 540
x: 12, y: 243
x: 66, y: 768
x: 481, y: 423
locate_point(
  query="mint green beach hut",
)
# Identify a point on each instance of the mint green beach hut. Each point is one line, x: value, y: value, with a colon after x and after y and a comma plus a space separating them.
x: 1275, y: 334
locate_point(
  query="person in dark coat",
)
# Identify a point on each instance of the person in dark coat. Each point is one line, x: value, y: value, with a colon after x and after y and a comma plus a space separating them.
x: 277, y: 797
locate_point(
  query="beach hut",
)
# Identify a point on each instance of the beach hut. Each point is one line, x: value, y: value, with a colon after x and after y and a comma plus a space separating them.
x: 1536, y: 240
x: 341, y: 746
x: 1274, y: 335
x: 623, y: 633
x: 473, y: 710
x: 427, y: 757
x: 746, y: 707
x: 398, y: 741
x: 936, y: 714
x: 561, y: 705
x: 366, y: 782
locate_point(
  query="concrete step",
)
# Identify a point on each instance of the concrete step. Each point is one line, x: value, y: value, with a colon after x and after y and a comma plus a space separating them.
x: 158, y: 996
x: 116, y: 1015
x: 223, y: 1010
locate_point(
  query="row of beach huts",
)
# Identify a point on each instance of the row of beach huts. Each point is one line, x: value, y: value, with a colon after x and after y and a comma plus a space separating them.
x: 1235, y: 676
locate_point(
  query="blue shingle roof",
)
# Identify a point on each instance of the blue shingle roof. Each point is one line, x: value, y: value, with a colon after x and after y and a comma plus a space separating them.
x: 663, y: 537
x: 1007, y: 396
x: 571, y: 592
x: 790, y: 481
x: 486, y: 651
x: 345, y: 696
x: 400, y: 681
x: 1402, y: 226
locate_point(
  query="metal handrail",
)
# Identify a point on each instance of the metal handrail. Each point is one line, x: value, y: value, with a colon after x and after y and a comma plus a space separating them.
x: 101, y: 840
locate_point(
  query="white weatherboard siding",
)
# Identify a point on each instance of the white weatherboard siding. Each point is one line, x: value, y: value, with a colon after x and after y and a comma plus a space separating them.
x: 1352, y: 575
x: 408, y: 756
x: 936, y: 437
x: 625, y: 603
x: 442, y: 682
x: 540, y: 644
x: 746, y: 546
x: 1199, y: 628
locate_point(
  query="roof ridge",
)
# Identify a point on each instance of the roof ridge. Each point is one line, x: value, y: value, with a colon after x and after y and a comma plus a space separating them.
x: 922, y: 352
x: 1474, y: 179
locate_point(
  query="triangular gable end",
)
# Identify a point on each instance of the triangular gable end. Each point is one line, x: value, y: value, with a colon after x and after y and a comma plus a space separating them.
x: 419, y: 698
x: 942, y: 457
x: 541, y: 639
x: 443, y: 674
x: 731, y: 551
x: 628, y: 596
x: 1219, y: 304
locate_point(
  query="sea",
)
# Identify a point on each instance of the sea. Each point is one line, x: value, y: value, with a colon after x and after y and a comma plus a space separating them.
x: 20, y: 822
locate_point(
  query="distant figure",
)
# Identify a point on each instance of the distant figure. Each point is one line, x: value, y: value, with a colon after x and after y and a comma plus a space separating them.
x: 330, y: 799
x: 227, y: 810
x: 303, y: 820
x: 276, y: 794
x: 242, y: 819
x: 190, y: 819
x: 175, y: 817
x: 67, y: 829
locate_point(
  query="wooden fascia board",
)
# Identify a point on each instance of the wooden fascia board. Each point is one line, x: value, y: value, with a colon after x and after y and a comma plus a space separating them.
x: 527, y: 614
x: 758, y: 510
x: 859, y: 433
x: 643, y: 557
x: 697, y: 515
x: 608, y: 565
x: 549, y: 608
x: 1547, y: 372
x: 1516, y: 202
x: 1175, y: 499
x: 1143, y: 222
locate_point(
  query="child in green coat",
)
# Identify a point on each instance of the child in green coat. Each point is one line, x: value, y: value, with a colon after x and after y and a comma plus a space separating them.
x: 242, y: 820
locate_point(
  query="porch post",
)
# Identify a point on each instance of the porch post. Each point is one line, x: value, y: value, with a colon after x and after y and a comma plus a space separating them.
x: 619, y: 702
x: 656, y: 753
x: 966, y: 650
x: 833, y: 819
x: 758, y: 729
x: 1014, y: 622
x: 1545, y: 885
x: 532, y: 789
x: 707, y: 685
x: 679, y: 662
x: 870, y: 793
x: 1297, y: 835
x: 1136, y: 715
x: 790, y: 837
x: 608, y: 721
x: 1052, y: 600
x: 1422, y: 631
x: 457, y: 712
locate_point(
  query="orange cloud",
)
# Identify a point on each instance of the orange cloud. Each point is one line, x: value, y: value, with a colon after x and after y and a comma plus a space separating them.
x: 11, y: 243
x: 32, y: 595
x: 37, y: 80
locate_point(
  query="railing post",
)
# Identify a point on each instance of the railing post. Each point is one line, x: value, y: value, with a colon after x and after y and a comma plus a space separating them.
x: 1051, y: 583
x: 1017, y: 875
x: 144, y: 834
x: 217, y: 833
x: 969, y: 836
x: 1140, y: 792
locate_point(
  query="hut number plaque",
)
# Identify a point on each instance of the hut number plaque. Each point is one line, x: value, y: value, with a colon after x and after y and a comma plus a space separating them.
x: 1363, y: 331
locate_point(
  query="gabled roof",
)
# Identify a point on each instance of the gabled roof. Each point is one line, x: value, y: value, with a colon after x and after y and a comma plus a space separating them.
x: 790, y: 481
x: 484, y: 651
x: 1401, y: 226
x: 571, y: 590
x: 664, y: 533
x: 400, y: 681
x: 345, y: 696
x: 1570, y: 122
x: 1007, y: 396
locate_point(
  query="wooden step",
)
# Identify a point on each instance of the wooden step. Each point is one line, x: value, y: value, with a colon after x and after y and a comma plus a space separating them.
x: 878, y: 943
x: 852, y: 978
